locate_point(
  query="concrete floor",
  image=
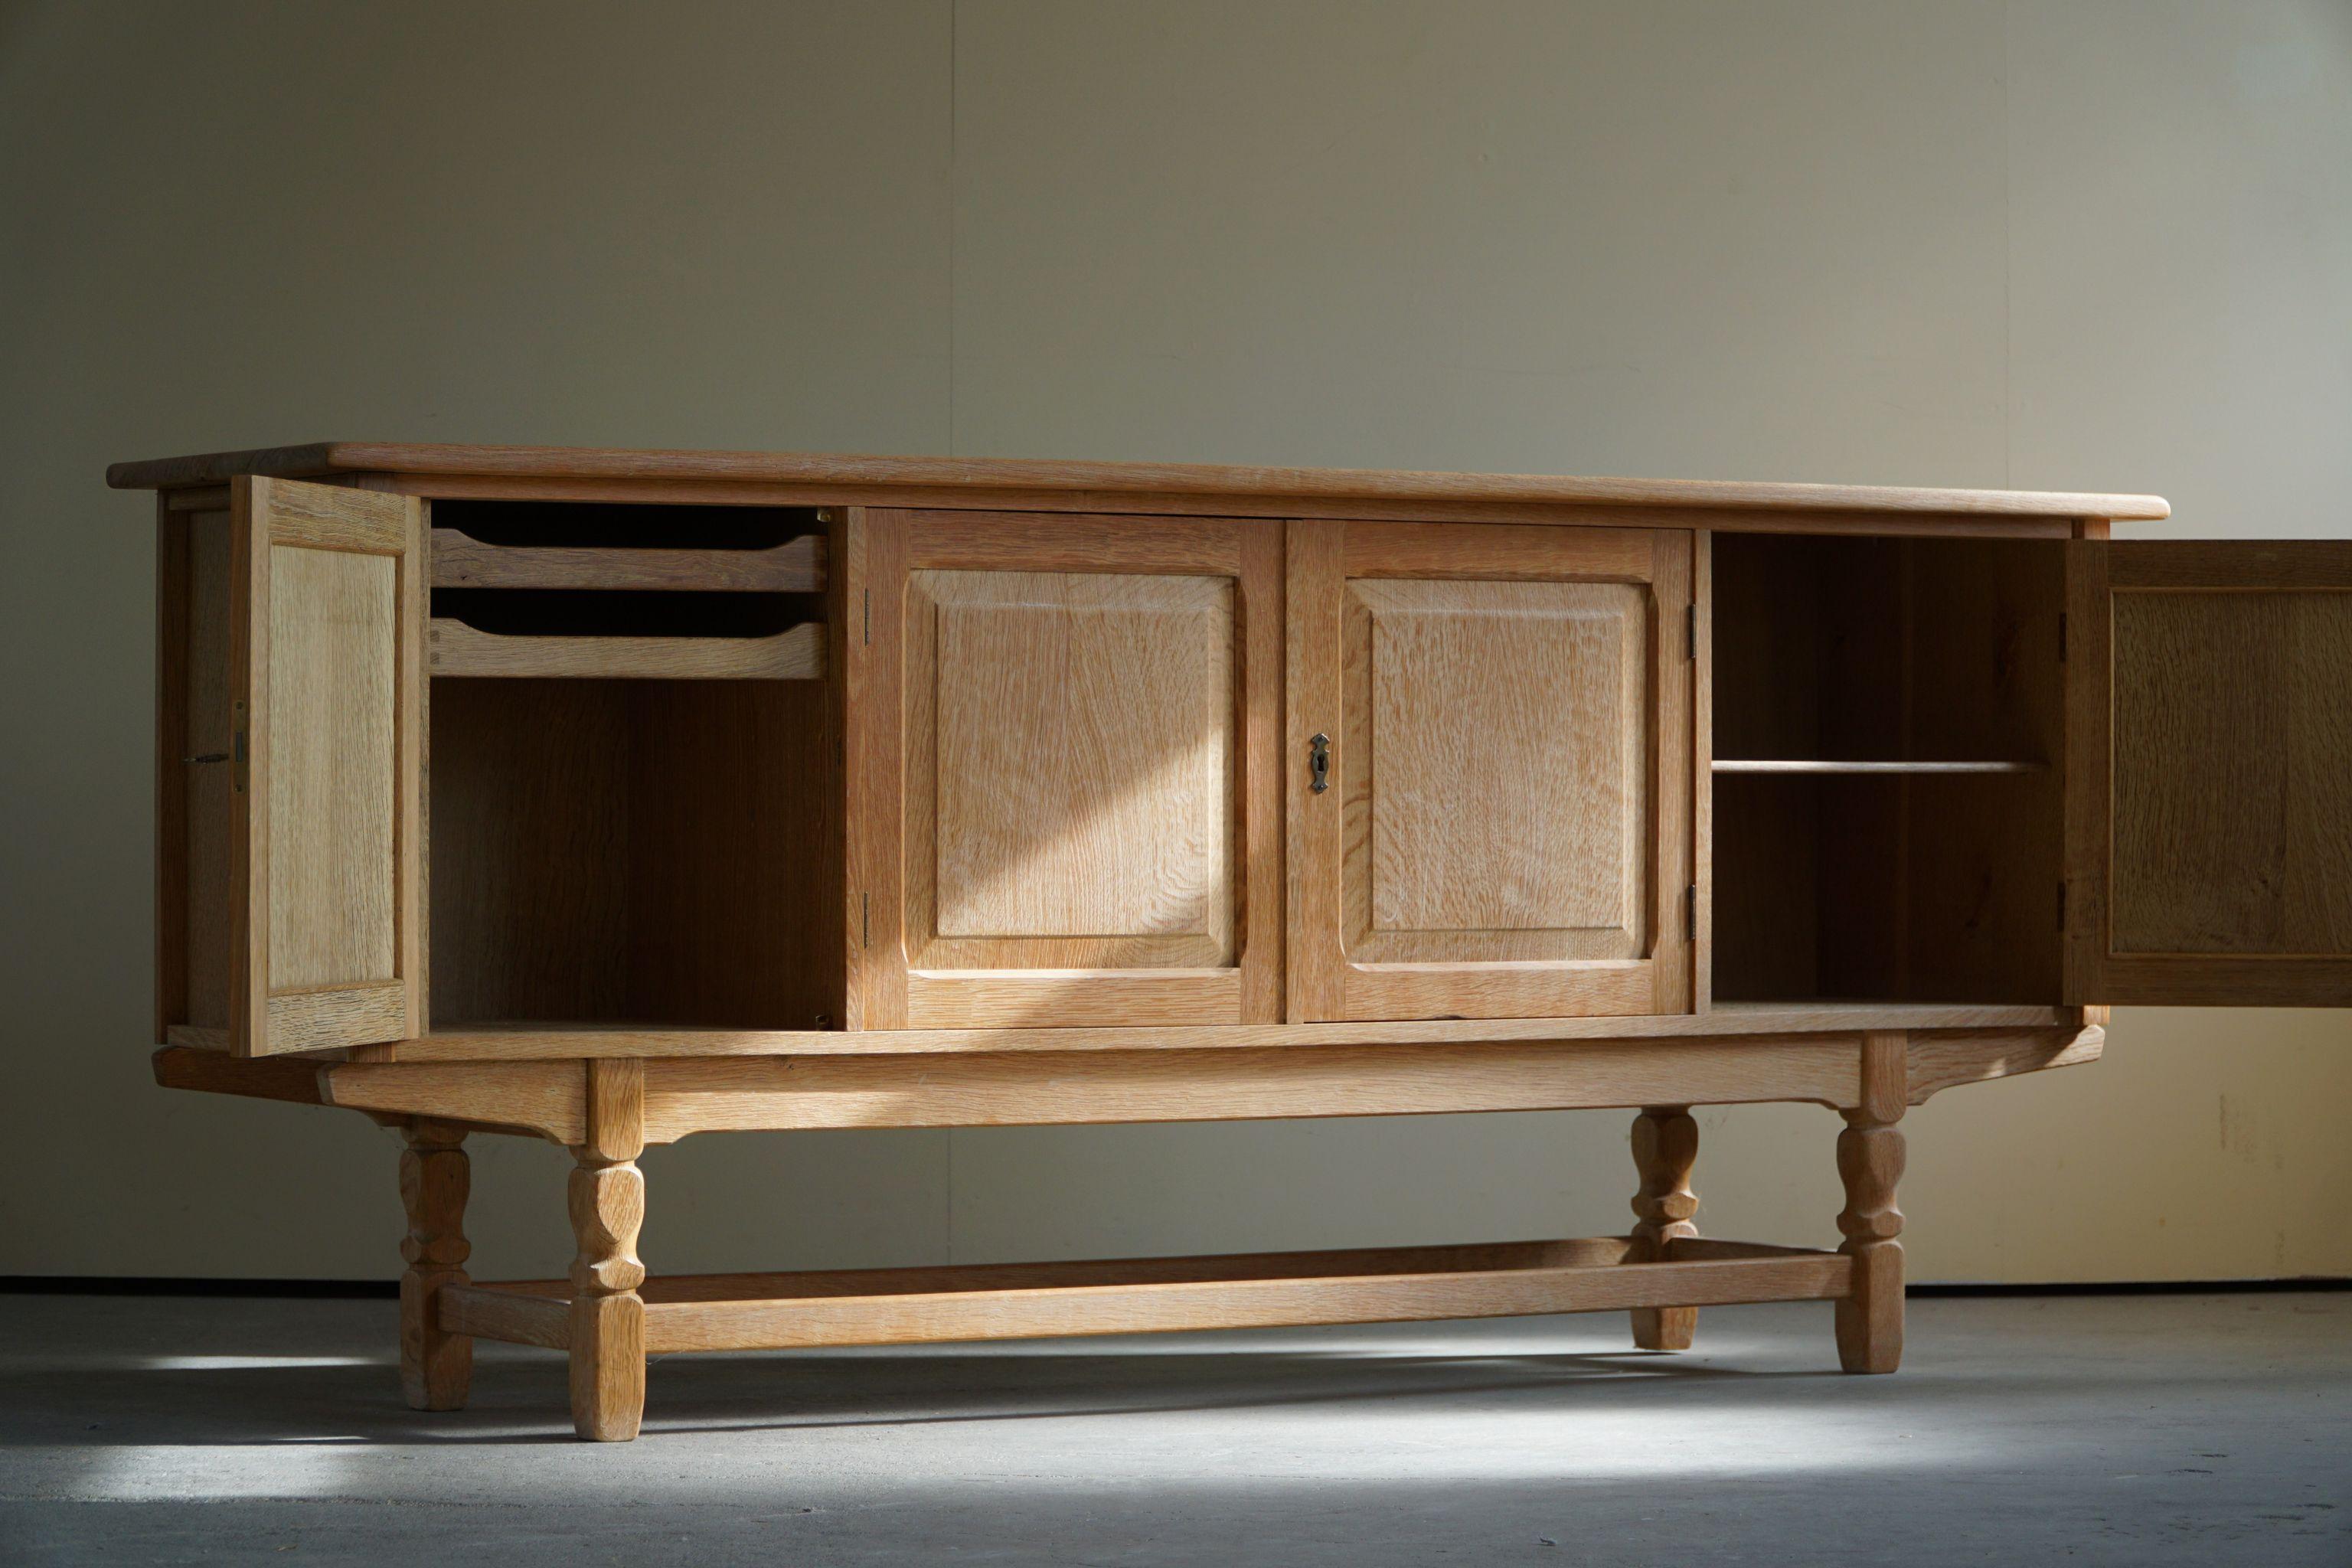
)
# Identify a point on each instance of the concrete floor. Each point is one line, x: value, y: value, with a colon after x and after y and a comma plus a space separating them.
x: 2127, y: 1430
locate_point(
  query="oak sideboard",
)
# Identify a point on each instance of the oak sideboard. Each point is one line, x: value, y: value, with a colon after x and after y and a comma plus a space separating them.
x: 612, y: 796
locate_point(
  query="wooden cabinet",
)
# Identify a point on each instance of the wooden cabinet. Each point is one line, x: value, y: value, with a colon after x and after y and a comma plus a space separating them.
x: 1490, y: 813
x: 612, y: 797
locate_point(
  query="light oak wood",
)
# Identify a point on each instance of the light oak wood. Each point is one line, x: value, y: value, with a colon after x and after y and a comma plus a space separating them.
x: 213, y: 1071
x: 1752, y: 765
x: 435, y: 1364
x: 1870, y: 1164
x: 797, y: 653
x: 547, y: 1098
x: 1147, y: 1296
x: 2210, y: 701
x: 796, y: 566
x: 1065, y: 738
x: 325, y: 767
x: 1665, y: 1147
x: 1141, y: 504
x: 689, y: 1095
x: 1024, y: 832
x: 1507, y: 827
x: 1728, y: 1020
x: 606, y: 1334
x: 976, y: 477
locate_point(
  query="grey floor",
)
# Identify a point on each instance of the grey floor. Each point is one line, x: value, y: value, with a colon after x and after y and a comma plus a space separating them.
x: 2211, y: 1430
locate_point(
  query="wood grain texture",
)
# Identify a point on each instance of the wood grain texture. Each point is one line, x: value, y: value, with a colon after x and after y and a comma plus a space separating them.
x: 1886, y: 779
x: 1870, y: 1164
x: 796, y: 654
x: 436, y: 1367
x: 2210, y: 805
x: 1665, y: 1147
x: 326, y: 859
x: 795, y: 566
x: 1064, y: 745
x: 1143, y: 505
x: 1085, y: 735
x: 548, y: 1098
x: 1510, y: 743
x: 1146, y: 1296
x: 659, y: 852
x: 215, y: 1072
x: 1729, y: 1020
x: 334, y: 640
x: 689, y: 1095
x: 606, y: 1337
x: 1942, y: 1058
x: 978, y: 476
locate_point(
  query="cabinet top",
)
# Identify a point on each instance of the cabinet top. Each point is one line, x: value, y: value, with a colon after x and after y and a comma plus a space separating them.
x: 554, y: 471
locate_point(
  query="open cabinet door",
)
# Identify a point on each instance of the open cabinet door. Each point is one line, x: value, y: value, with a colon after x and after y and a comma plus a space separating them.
x: 325, y: 679
x: 2208, y: 810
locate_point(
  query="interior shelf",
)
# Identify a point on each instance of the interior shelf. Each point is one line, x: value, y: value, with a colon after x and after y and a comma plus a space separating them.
x: 461, y: 560
x: 1825, y: 766
x: 796, y: 654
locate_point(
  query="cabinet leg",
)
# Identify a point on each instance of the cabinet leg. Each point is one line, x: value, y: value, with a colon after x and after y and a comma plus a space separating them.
x: 1870, y: 1163
x: 607, y: 1200
x: 436, y: 1367
x: 1665, y: 1147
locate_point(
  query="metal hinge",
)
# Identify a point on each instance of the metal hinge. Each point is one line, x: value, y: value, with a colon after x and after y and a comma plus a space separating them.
x: 1690, y: 626
x: 1690, y: 913
x: 870, y: 616
x: 864, y: 923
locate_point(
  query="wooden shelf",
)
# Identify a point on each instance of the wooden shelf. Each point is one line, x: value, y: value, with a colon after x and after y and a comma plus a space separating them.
x: 907, y: 1306
x: 798, y: 654
x: 1821, y: 766
x: 460, y: 561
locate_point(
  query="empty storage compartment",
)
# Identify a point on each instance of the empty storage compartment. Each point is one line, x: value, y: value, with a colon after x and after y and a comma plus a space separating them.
x: 640, y: 852
x: 1888, y: 788
x: 629, y: 769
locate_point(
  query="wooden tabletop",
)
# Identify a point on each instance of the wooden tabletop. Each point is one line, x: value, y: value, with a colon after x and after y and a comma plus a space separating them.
x: 982, y: 475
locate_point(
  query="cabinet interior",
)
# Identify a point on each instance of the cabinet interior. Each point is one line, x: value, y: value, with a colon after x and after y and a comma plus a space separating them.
x: 1888, y: 789
x: 645, y: 851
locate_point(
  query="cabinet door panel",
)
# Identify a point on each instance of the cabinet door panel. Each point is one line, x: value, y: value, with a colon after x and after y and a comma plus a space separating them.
x: 2210, y: 797
x: 293, y: 749
x: 1506, y: 833
x: 1079, y: 716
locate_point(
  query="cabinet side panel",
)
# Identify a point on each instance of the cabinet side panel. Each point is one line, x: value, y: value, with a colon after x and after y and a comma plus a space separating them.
x: 207, y: 816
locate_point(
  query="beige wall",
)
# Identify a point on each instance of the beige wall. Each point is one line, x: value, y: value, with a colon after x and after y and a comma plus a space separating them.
x: 2066, y: 245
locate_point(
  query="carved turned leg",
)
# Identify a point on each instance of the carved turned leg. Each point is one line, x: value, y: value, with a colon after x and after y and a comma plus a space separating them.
x: 436, y: 1367
x: 1870, y: 1162
x: 608, y: 1204
x: 1665, y: 1147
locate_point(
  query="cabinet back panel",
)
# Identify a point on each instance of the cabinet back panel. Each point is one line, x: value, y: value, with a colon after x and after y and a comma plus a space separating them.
x: 1896, y: 886
x: 645, y: 851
